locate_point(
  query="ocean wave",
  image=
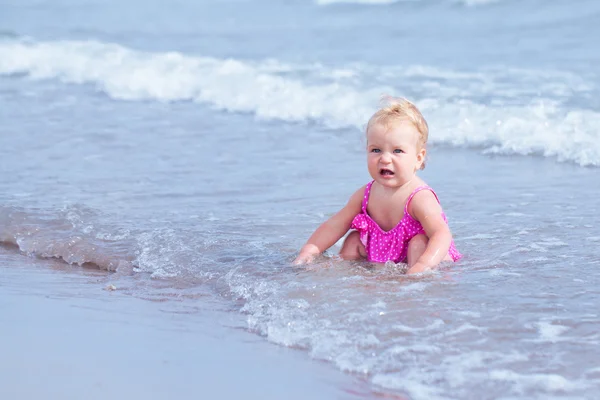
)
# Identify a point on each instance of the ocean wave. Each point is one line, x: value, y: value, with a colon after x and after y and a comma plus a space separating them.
x: 66, y: 235
x: 228, y: 84
x: 421, y: 336
x: 503, y: 111
x: 370, y: 323
x: 79, y: 235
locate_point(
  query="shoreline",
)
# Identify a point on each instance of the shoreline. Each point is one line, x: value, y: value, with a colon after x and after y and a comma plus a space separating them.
x: 66, y: 337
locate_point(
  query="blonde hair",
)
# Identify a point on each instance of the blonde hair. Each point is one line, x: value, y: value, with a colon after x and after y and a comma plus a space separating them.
x: 395, y: 109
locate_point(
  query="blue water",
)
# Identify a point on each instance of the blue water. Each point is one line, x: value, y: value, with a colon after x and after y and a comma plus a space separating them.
x: 196, y: 145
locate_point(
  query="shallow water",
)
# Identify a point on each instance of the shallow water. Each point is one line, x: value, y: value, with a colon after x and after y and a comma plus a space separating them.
x: 192, y: 150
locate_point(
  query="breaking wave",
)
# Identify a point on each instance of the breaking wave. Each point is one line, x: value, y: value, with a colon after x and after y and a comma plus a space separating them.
x: 501, y: 110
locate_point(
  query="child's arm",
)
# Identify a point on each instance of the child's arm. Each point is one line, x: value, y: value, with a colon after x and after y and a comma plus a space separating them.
x: 427, y: 210
x: 331, y: 230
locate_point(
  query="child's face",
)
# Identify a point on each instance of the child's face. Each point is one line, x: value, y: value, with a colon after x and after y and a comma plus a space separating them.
x: 393, y: 153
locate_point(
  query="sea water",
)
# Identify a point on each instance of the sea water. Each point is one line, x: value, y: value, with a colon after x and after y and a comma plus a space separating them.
x: 192, y: 146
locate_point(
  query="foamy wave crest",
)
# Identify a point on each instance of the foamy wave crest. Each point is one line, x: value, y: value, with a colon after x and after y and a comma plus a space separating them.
x: 500, y: 110
x: 225, y: 84
x: 541, y: 128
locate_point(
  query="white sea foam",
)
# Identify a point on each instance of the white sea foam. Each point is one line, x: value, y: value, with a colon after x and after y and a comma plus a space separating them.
x: 546, y: 382
x: 464, y: 328
x: 227, y: 84
x: 410, y: 383
x: 416, y: 348
x: 550, y: 332
x: 523, y: 118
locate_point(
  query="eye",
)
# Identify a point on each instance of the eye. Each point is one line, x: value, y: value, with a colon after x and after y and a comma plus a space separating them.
x: 375, y: 151
x: 398, y: 151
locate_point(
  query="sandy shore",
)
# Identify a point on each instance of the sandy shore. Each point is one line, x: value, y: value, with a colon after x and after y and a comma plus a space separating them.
x: 64, y: 337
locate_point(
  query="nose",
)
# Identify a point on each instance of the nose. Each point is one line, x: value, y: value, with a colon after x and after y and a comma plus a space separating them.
x: 385, y: 158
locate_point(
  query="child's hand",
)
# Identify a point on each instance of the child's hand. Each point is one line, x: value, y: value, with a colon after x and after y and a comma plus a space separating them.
x: 307, y: 254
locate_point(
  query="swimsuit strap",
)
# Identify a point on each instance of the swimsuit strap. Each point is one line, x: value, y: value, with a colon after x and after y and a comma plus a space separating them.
x: 365, y: 201
x: 417, y: 190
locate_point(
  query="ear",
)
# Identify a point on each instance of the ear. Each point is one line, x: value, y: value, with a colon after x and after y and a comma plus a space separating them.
x: 421, y: 158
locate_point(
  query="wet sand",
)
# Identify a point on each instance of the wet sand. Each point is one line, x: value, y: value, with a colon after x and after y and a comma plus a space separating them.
x: 64, y: 336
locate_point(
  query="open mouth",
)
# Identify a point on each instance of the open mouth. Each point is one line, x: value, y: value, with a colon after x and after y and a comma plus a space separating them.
x: 386, y: 172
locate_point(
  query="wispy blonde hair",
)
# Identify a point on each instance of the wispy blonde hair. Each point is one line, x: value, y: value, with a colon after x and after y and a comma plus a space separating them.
x: 395, y: 109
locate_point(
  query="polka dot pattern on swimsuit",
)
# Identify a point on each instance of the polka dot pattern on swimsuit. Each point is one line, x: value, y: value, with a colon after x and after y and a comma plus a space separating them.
x: 382, y: 246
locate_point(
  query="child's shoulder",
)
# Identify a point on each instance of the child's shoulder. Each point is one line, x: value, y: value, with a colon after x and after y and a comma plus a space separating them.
x: 422, y: 198
x: 422, y: 190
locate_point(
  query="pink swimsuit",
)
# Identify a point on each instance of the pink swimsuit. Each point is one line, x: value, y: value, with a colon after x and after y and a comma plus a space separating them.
x: 392, y: 245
